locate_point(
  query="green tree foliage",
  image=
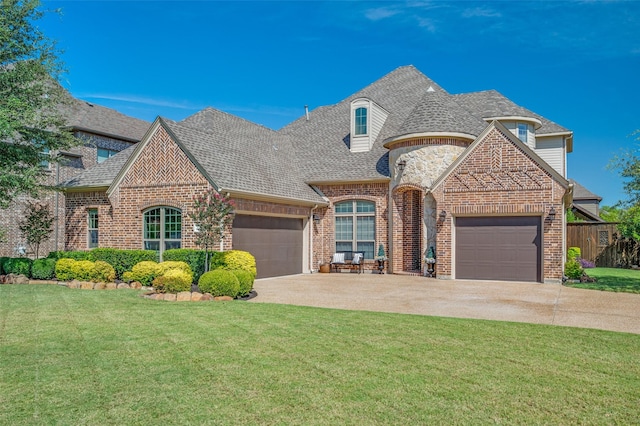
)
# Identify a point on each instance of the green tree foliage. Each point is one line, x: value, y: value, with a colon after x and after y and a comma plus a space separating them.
x: 629, y: 225
x: 610, y: 213
x: 212, y: 214
x: 32, y: 125
x: 37, y: 225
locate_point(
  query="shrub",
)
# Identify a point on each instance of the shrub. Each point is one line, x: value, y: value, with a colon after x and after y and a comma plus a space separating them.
x: 163, y: 267
x: 123, y: 260
x: 193, y: 258
x: 173, y: 281
x: 83, y: 270
x: 234, y: 259
x: 219, y: 283
x: 2, y: 260
x: 586, y: 263
x: 573, y: 270
x: 573, y: 253
x: 18, y: 265
x: 75, y: 255
x: 43, y: 269
x: 103, y: 272
x: 64, y: 269
x: 144, y: 272
x: 245, y: 279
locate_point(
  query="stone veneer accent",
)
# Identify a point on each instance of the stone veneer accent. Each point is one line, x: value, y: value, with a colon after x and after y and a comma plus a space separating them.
x: 498, y: 178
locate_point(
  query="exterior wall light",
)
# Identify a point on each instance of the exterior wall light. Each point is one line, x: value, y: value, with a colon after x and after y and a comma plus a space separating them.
x: 552, y: 213
x: 316, y: 218
x: 442, y: 216
x: 401, y: 165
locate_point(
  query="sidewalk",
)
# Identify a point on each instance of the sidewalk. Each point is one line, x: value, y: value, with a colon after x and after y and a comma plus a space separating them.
x: 504, y: 301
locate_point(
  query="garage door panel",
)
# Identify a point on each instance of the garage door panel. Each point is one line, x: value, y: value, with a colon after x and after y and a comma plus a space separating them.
x: 498, y: 248
x: 276, y: 243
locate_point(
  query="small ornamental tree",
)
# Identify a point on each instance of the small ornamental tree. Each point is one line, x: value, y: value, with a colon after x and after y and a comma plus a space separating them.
x: 212, y: 214
x: 37, y: 225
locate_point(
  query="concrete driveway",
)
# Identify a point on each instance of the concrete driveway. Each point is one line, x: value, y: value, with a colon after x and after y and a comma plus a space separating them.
x: 505, y: 301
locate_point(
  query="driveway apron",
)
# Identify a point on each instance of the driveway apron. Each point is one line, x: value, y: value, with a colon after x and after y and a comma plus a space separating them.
x: 505, y: 301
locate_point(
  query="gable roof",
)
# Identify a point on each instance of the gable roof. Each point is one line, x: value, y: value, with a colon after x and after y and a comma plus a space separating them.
x: 492, y: 104
x: 582, y: 193
x: 517, y: 143
x: 85, y: 116
x: 238, y: 155
x: 101, y: 175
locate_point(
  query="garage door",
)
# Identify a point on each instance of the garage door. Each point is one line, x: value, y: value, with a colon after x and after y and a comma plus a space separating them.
x: 275, y: 242
x: 498, y: 248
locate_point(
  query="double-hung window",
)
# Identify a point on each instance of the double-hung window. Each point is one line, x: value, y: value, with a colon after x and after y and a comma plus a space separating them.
x: 523, y: 132
x: 92, y: 226
x: 162, y: 229
x: 355, y: 226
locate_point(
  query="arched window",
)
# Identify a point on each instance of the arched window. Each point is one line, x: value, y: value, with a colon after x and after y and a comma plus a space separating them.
x: 356, y: 226
x: 162, y: 229
x: 361, y: 121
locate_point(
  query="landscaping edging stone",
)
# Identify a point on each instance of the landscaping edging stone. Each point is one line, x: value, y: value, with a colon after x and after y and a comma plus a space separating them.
x: 184, y: 296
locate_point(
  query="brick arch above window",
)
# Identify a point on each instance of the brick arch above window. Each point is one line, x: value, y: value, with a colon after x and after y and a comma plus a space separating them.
x: 352, y: 197
x: 408, y: 187
x: 161, y: 202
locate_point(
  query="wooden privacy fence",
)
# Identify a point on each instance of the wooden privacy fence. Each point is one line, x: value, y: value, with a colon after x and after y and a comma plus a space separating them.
x: 601, y: 243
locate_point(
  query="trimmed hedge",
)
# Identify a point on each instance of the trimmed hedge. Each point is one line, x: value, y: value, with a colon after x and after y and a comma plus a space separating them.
x: 227, y: 260
x: 2, y: 260
x: 219, y: 283
x: 234, y: 259
x: 573, y: 253
x: 144, y: 272
x: 103, y: 272
x: 121, y: 260
x: 245, y: 278
x: 18, y: 265
x: 43, y: 269
x: 193, y: 258
x: 173, y: 281
x: 64, y: 269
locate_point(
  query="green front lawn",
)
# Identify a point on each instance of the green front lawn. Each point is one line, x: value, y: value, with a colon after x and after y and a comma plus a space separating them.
x: 612, y: 279
x: 110, y: 357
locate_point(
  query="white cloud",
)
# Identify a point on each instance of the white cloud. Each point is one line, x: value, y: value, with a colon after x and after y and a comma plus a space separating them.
x: 480, y: 12
x: 380, y: 13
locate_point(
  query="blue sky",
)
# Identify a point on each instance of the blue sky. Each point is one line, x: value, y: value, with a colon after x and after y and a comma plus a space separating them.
x: 575, y: 63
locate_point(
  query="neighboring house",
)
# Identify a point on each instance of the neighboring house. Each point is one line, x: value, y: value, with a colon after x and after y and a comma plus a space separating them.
x: 401, y: 163
x: 586, y: 204
x: 104, y: 133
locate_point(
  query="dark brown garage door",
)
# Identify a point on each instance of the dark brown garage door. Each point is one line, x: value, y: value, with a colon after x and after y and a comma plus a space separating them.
x: 498, y: 248
x: 275, y: 242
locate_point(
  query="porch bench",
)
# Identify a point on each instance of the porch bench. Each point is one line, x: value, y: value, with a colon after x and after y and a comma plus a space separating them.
x: 348, y: 259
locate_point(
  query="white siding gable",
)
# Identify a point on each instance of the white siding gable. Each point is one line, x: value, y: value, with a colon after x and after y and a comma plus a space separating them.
x: 362, y: 138
x: 552, y: 150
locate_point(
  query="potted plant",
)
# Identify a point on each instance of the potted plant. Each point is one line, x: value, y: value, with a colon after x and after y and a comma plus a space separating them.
x: 381, y: 258
x: 430, y: 260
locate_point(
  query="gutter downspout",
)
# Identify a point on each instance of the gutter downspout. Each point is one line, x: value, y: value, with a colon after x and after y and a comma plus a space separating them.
x: 311, y: 224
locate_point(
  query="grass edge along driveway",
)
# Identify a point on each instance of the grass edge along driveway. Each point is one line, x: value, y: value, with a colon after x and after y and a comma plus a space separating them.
x: 91, y: 357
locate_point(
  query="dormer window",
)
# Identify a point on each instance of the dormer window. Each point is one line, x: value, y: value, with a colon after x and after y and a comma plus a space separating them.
x: 367, y: 119
x: 523, y: 133
x: 361, y: 121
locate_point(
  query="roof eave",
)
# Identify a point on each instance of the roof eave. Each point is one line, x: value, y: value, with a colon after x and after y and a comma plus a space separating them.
x: 240, y: 193
x: 391, y: 141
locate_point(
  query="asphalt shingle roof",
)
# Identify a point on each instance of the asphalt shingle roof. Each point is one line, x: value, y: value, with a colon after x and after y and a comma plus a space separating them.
x: 582, y: 193
x: 105, y: 121
x: 102, y: 174
x: 240, y: 155
x: 491, y: 103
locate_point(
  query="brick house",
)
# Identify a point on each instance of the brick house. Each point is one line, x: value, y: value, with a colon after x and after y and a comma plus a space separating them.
x: 401, y: 163
x: 104, y: 132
